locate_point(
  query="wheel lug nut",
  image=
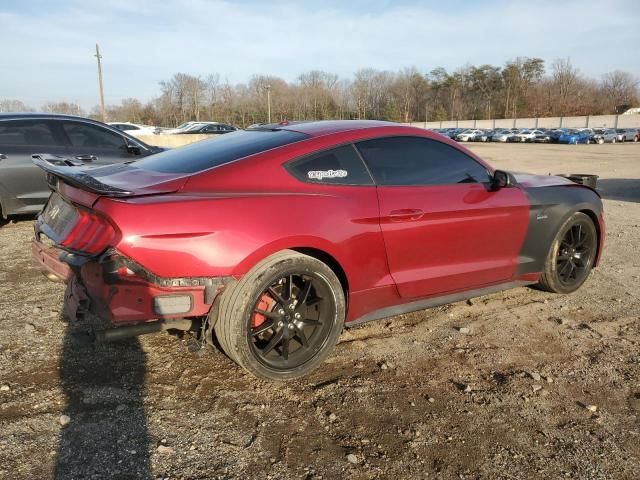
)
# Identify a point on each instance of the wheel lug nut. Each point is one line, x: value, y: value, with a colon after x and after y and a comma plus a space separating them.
x: 280, y: 323
x: 297, y: 316
x: 281, y: 311
x: 291, y: 326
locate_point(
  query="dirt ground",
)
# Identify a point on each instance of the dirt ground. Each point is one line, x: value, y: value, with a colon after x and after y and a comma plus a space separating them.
x: 542, y: 386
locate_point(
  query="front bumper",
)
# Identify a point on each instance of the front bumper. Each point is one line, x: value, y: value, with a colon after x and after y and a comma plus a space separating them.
x: 96, y: 284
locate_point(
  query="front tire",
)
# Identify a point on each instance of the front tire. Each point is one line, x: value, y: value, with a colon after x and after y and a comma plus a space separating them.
x: 571, y: 256
x: 283, y: 318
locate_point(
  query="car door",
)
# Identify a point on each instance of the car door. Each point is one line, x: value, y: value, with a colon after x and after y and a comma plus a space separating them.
x: 95, y: 145
x: 23, y: 186
x: 444, y: 228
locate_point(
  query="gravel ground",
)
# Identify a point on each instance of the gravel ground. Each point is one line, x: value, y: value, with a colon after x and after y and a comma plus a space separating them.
x: 539, y: 386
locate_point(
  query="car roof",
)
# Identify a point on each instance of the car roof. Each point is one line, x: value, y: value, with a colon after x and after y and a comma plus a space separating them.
x: 326, y: 127
x: 22, y: 115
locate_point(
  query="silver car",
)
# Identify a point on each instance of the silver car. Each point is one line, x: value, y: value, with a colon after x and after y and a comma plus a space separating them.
x: 81, y: 141
x: 602, y: 135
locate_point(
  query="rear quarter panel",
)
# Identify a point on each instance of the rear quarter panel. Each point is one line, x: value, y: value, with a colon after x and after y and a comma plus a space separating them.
x: 227, y: 234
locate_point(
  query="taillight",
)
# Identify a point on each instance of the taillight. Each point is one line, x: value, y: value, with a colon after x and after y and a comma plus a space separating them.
x: 91, y: 233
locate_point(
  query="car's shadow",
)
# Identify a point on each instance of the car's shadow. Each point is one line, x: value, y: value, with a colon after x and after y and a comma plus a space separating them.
x: 106, y: 436
x: 625, y: 189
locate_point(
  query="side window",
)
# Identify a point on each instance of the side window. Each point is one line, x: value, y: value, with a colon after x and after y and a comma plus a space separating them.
x: 87, y: 135
x: 26, y: 132
x: 341, y: 166
x: 419, y: 161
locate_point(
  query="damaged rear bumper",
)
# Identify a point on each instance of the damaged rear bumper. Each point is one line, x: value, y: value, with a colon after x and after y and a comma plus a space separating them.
x: 122, y: 292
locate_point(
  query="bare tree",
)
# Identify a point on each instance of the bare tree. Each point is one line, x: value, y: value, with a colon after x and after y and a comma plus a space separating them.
x: 11, y: 106
x: 67, y: 108
x: 620, y: 88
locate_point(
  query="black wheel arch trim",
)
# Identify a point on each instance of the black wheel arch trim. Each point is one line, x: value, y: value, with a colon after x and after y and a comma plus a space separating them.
x: 549, y: 209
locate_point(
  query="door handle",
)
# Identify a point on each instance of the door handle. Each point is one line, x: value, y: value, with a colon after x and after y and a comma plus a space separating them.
x: 3, y: 156
x: 86, y: 158
x: 406, y: 215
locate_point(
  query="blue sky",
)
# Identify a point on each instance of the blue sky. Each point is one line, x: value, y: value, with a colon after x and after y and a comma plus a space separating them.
x: 47, y: 45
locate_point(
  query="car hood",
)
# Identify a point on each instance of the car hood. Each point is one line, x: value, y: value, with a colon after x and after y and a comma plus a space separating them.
x: 529, y: 180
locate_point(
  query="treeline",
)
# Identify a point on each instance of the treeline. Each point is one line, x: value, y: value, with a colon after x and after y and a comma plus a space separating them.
x: 524, y: 87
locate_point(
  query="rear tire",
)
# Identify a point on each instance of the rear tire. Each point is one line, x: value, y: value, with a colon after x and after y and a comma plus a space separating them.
x: 283, y: 318
x: 571, y: 256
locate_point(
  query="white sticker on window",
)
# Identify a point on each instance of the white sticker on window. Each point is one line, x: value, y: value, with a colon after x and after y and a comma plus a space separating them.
x: 320, y: 174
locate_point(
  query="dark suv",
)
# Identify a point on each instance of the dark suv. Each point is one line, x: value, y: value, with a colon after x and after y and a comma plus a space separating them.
x: 23, y: 186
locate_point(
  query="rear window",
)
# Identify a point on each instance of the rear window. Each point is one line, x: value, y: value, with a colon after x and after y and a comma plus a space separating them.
x: 206, y: 154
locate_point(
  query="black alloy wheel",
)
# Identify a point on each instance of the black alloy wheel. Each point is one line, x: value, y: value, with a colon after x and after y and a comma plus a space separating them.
x: 296, y: 324
x: 571, y: 256
x: 282, y: 319
x: 575, y: 254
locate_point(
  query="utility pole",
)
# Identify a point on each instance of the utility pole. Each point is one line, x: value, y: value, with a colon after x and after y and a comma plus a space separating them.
x: 268, y: 87
x: 102, y: 111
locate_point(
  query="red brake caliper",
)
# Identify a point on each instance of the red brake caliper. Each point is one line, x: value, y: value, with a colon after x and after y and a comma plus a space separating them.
x: 265, y: 303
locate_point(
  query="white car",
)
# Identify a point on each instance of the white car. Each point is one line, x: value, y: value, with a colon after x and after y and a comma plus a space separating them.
x: 134, y: 128
x: 503, y: 135
x: 524, y: 136
x: 468, y: 135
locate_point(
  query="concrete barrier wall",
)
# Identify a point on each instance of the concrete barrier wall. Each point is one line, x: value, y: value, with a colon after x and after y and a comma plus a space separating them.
x: 173, y: 141
x: 593, y: 121
x: 549, y: 122
x: 627, y: 121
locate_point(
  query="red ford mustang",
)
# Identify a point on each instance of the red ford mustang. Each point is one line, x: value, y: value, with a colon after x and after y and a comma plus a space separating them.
x: 273, y: 239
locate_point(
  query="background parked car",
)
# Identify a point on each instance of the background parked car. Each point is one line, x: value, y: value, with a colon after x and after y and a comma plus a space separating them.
x: 524, y: 135
x: 485, y: 136
x: 601, y: 135
x: 630, y: 135
x: 135, y: 129
x: 503, y: 135
x: 624, y: 135
x: 179, y: 128
x: 468, y: 135
x: 545, y: 136
x: 23, y: 186
x: 555, y: 134
x: 574, y: 137
x: 209, y: 128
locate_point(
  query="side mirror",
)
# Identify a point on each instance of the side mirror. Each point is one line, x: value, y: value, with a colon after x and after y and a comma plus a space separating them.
x: 502, y: 179
x: 133, y: 150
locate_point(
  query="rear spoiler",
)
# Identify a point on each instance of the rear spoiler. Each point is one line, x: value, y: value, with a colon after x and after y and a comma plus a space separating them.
x: 67, y: 169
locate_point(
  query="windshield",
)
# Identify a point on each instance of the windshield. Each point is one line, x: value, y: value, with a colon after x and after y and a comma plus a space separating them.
x: 206, y: 154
